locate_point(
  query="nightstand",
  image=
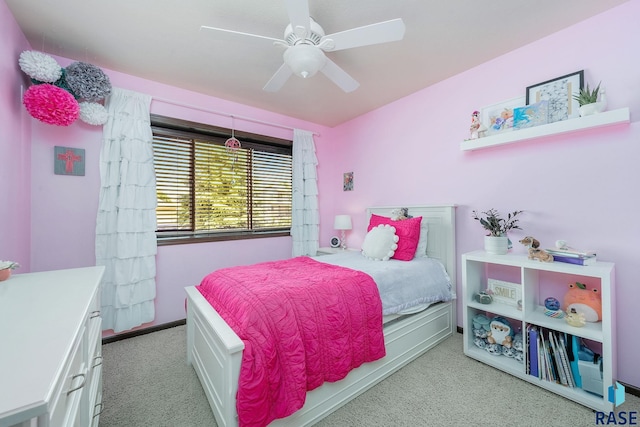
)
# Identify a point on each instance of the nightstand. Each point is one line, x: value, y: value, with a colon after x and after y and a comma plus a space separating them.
x: 328, y: 251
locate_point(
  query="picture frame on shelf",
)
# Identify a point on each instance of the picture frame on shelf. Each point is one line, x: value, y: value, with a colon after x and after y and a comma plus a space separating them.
x: 559, y: 92
x: 505, y: 292
x: 531, y: 115
x: 498, y: 118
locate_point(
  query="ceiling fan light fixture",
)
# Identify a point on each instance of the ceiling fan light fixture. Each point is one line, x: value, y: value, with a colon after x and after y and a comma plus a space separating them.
x: 305, y: 60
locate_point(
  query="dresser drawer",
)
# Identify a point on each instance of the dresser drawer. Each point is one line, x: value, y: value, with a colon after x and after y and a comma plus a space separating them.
x: 95, y: 393
x: 68, y: 393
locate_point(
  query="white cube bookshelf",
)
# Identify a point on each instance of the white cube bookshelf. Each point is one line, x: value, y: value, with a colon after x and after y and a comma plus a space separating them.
x: 535, y: 278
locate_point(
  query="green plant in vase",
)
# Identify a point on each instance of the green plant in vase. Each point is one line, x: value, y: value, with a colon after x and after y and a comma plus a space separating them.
x: 497, y: 241
x: 588, y: 100
x: 587, y: 96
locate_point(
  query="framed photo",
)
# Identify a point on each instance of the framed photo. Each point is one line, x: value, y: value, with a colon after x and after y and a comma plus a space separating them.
x: 499, y: 117
x: 505, y: 292
x: 559, y: 92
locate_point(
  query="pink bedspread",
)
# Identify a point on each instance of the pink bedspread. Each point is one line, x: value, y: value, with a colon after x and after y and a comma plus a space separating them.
x: 302, y: 322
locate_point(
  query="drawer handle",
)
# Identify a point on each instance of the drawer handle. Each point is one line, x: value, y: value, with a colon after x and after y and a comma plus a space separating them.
x: 97, y: 361
x: 94, y: 314
x: 96, y: 414
x: 84, y: 379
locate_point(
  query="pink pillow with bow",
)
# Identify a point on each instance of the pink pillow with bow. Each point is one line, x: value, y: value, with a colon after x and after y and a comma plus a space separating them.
x: 408, y: 231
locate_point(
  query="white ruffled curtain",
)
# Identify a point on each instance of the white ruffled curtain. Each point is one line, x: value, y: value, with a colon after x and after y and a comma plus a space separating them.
x: 125, y: 228
x: 305, y: 221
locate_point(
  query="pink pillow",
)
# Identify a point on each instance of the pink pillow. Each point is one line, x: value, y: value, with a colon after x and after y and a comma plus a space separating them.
x: 408, y: 230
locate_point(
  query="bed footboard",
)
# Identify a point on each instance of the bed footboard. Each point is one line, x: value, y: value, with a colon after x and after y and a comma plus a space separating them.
x: 215, y: 352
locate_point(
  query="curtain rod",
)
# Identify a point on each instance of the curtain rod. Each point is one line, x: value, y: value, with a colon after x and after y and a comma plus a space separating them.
x: 220, y: 113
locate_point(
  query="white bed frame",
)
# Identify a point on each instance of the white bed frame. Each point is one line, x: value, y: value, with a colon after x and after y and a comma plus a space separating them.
x: 215, y: 351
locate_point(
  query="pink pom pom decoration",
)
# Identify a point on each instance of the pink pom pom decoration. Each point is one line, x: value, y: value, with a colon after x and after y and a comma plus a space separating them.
x: 51, y: 104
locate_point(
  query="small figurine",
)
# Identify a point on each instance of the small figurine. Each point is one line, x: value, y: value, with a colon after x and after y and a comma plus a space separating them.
x: 534, y: 250
x: 575, y: 319
x: 477, y: 129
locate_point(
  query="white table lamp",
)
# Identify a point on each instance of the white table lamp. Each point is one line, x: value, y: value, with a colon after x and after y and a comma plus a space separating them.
x: 342, y: 223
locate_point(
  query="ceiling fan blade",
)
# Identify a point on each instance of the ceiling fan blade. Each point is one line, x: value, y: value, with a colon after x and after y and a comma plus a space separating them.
x: 382, y: 32
x: 339, y: 76
x: 230, y: 35
x: 278, y: 79
x: 298, y: 11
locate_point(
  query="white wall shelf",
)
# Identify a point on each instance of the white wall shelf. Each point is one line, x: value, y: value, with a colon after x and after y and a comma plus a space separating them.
x: 607, y: 118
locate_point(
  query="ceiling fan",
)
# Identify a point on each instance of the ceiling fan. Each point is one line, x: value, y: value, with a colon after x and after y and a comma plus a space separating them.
x: 305, y: 43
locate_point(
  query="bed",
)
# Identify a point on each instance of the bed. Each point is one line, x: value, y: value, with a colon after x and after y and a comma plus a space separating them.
x: 215, y: 351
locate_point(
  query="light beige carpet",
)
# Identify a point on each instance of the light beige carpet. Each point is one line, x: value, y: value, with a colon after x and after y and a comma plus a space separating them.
x: 148, y: 383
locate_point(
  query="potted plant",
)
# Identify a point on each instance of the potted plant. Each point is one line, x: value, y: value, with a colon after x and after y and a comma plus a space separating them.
x: 588, y: 100
x: 5, y: 269
x: 497, y: 241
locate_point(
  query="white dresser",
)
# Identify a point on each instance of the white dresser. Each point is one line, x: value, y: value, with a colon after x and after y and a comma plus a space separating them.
x: 50, y: 348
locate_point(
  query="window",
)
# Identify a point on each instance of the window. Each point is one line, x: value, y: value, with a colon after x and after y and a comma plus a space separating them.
x: 209, y: 192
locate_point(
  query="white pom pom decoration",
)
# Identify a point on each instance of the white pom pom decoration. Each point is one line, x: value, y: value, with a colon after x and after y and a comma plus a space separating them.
x: 40, y: 66
x: 93, y: 113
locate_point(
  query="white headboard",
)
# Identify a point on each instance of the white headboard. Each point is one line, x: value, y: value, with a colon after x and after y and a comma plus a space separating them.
x: 441, y: 242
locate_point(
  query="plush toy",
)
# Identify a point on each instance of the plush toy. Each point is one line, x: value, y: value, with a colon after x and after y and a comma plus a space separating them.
x: 400, y: 214
x: 501, y: 332
x: 481, y: 322
x: 580, y: 300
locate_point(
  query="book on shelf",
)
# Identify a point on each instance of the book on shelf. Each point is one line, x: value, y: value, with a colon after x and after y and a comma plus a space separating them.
x: 550, y: 356
x: 565, y: 358
x: 571, y: 253
x: 572, y: 351
x: 576, y: 261
x: 532, y: 355
x: 554, y: 351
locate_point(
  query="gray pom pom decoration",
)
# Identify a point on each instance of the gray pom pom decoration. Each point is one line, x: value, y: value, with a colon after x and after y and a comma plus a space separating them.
x: 93, y: 113
x: 87, y: 81
x: 40, y: 66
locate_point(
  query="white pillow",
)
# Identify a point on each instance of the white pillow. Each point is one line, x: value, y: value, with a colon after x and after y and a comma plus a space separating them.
x: 380, y: 243
x: 421, y: 250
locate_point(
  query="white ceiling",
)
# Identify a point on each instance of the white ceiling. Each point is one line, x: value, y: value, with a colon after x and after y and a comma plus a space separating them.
x: 160, y: 40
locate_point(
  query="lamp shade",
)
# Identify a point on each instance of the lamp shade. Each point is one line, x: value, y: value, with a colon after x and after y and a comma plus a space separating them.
x: 342, y: 222
x: 304, y: 60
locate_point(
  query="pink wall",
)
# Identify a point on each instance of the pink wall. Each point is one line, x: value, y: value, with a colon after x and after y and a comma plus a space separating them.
x: 15, y: 137
x: 581, y: 188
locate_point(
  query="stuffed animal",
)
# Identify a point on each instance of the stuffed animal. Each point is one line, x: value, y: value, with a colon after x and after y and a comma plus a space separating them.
x: 400, y: 214
x: 580, y: 300
x: 534, y: 250
x: 501, y: 332
x: 481, y: 322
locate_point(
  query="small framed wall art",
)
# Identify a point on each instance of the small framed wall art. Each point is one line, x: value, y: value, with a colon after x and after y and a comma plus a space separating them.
x: 559, y: 92
x: 68, y: 161
x: 347, y: 181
